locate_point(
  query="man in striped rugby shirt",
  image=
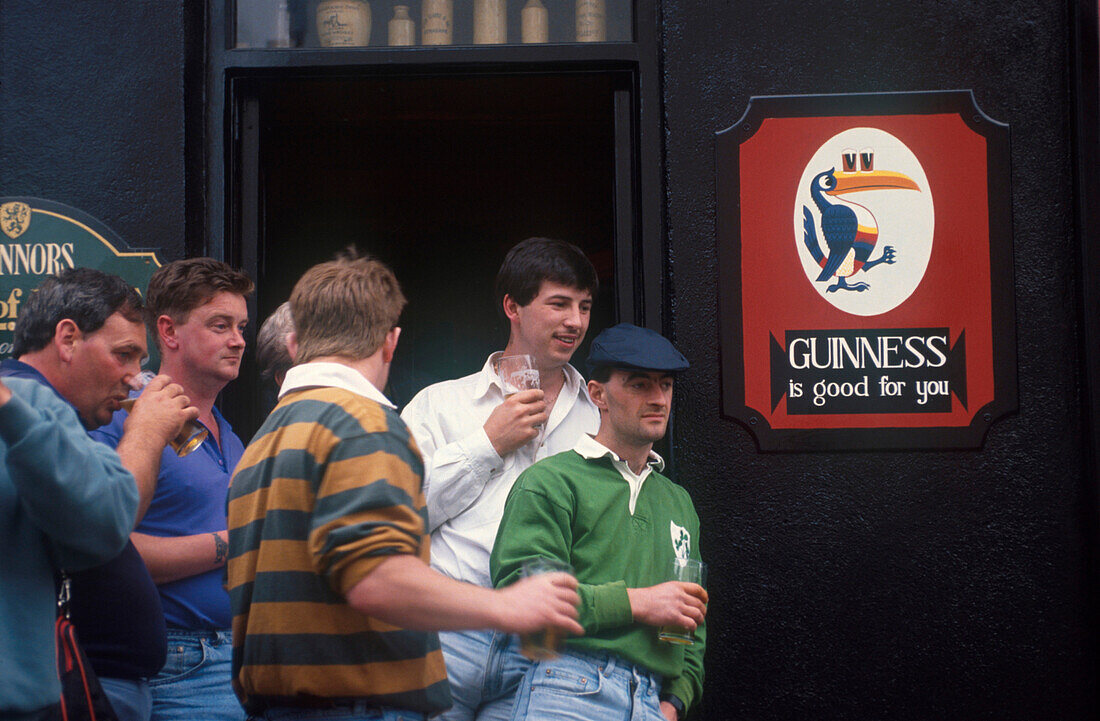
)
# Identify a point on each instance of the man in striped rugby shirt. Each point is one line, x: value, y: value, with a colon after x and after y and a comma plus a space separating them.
x: 334, y: 605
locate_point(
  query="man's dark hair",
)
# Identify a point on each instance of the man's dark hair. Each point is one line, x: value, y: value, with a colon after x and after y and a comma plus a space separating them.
x: 183, y: 285
x: 600, y: 374
x: 534, y: 260
x: 86, y: 296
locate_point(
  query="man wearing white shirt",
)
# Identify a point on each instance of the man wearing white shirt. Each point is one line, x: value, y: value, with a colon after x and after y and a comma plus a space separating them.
x: 476, y: 442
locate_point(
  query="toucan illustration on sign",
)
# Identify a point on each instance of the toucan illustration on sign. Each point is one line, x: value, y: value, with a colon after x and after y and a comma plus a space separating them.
x: 850, y: 229
x: 882, y: 316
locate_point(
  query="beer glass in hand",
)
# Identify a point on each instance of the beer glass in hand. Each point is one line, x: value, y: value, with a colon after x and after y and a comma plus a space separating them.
x: 518, y: 373
x: 190, y: 436
x: 687, y: 570
x: 541, y: 645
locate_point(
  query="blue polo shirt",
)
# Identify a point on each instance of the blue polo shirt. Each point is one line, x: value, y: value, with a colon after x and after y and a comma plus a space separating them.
x: 190, y: 499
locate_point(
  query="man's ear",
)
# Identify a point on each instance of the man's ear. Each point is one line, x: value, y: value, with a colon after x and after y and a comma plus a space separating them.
x: 596, y: 393
x: 65, y: 336
x: 166, y: 332
x: 291, y: 341
x: 389, y: 345
x: 511, y: 307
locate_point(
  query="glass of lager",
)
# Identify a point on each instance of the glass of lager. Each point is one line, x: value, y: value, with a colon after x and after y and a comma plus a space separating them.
x: 190, y: 436
x: 687, y: 570
x: 517, y: 373
x: 543, y: 644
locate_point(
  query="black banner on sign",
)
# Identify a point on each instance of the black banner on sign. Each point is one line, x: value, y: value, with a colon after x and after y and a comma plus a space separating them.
x: 907, y: 370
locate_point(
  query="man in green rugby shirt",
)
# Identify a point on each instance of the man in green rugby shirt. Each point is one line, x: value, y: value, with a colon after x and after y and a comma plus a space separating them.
x: 605, y: 509
x: 334, y: 605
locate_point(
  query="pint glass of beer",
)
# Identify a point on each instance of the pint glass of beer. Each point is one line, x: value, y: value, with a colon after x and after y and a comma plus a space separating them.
x: 543, y: 644
x: 690, y: 571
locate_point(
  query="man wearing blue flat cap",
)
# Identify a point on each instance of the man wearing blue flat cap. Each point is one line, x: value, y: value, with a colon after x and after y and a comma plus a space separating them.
x: 605, y: 508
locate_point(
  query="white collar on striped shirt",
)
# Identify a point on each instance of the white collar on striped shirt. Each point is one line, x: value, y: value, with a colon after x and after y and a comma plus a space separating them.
x: 334, y: 375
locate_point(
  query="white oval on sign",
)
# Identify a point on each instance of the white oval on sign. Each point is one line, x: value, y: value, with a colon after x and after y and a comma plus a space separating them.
x: 877, y: 195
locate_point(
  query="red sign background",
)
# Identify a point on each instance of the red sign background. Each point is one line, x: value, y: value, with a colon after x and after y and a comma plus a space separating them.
x: 955, y: 289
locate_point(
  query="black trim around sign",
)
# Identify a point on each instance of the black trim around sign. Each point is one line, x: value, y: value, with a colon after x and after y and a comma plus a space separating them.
x: 1002, y: 290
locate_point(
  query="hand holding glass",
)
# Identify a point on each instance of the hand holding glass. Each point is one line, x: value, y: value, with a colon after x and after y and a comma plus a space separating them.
x: 190, y: 436
x: 687, y: 570
x: 541, y: 645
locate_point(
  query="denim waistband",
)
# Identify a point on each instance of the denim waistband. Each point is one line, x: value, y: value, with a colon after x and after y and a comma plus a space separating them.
x: 215, y: 636
x: 611, y: 666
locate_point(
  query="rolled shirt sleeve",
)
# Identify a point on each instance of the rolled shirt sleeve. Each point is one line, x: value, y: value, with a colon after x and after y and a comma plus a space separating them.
x: 366, y: 509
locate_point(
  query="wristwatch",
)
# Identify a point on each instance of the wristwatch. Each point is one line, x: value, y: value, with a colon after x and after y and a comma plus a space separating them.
x: 676, y: 704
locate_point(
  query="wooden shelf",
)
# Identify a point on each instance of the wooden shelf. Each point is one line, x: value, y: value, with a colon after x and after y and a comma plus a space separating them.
x: 603, y: 54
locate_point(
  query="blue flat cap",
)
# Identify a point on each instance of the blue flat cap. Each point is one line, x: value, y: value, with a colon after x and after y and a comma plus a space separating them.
x: 628, y: 346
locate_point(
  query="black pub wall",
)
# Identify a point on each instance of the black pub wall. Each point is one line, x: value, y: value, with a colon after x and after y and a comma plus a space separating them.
x: 889, y: 585
x: 92, y: 111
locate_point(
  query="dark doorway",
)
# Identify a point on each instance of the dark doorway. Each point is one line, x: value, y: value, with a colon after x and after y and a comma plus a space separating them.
x: 438, y: 176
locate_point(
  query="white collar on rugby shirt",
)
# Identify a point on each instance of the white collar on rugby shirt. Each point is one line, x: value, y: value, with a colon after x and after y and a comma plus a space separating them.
x: 588, y: 447
x: 325, y: 374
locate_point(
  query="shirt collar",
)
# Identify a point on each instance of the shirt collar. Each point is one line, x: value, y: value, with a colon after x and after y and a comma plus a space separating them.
x: 12, y: 368
x: 331, y: 375
x: 588, y: 447
x: 488, y: 378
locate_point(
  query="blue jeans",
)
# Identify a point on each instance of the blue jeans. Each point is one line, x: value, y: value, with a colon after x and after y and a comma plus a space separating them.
x: 195, y: 682
x: 357, y: 712
x: 484, y: 669
x: 131, y: 700
x: 583, y: 687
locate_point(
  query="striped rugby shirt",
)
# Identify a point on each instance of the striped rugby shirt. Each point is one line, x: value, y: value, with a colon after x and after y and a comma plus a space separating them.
x: 329, y: 487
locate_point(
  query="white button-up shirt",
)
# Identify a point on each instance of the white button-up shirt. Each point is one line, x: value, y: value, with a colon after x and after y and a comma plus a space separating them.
x: 465, y: 481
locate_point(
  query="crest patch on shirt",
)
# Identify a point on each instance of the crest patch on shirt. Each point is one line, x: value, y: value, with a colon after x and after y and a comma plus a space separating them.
x: 681, y: 540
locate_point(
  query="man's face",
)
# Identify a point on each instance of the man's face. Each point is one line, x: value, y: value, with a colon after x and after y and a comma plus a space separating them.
x: 211, y: 340
x: 637, y: 404
x: 552, y: 325
x: 103, y: 362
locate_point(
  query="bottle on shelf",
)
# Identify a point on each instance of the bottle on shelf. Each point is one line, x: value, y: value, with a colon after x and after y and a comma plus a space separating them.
x: 436, y: 22
x: 343, y: 23
x: 490, y: 22
x: 591, y: 21
x: 535, y: 22
x: 402, y: 29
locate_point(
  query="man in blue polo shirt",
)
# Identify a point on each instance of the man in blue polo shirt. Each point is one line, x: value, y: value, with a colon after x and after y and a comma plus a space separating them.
x: 196, y: 311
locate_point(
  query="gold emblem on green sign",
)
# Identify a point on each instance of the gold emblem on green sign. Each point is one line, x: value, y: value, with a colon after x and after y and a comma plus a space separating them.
x: 14, y: 219
x: 42, y: 238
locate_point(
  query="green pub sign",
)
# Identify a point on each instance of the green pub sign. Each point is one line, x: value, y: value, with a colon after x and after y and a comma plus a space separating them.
x: 39, y: 238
